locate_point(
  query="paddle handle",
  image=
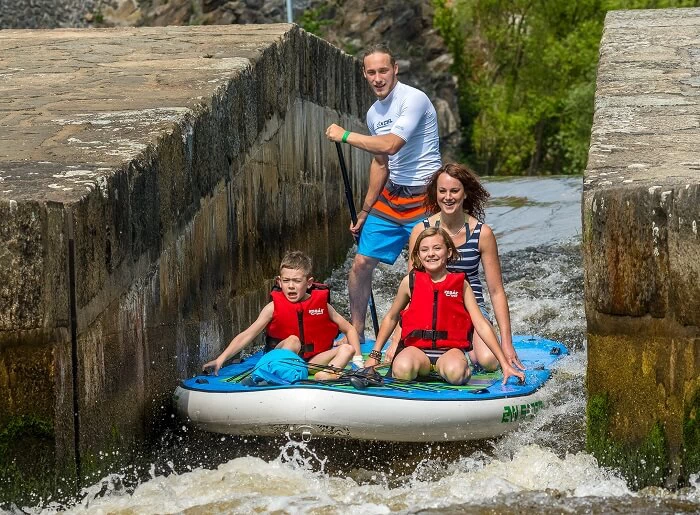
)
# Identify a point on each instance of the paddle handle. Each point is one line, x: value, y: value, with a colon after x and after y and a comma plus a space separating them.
x: 353, y: 217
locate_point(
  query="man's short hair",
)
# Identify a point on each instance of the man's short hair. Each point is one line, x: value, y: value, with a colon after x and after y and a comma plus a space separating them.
x: 297, y: 260
x: 379, y: 48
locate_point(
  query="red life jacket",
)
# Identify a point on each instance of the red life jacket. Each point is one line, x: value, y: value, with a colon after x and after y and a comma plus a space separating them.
x: 436, y: 317
x: 308, y: 320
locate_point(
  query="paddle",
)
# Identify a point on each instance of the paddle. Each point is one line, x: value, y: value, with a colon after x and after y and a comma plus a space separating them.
x: 359, y: 379
x: 353, y: 217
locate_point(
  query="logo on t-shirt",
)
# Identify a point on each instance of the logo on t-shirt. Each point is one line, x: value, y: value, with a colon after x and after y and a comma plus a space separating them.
x: 383, y: 123
x: 451, y: 293
x: 318, y: 311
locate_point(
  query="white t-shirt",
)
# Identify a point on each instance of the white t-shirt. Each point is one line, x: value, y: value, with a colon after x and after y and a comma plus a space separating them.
x: 408, y: 113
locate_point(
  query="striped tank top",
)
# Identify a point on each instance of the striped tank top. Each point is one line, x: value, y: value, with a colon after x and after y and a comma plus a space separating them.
x: 469, y: 259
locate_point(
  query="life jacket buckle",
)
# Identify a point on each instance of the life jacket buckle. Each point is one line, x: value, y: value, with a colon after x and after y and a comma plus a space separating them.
x: 428, y: 334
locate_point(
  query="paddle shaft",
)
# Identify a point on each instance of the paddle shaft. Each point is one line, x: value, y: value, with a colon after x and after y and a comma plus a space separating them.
x: 353, y: 217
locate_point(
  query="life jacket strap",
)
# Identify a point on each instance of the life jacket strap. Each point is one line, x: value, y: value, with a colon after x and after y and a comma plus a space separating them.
x: 428, y: 334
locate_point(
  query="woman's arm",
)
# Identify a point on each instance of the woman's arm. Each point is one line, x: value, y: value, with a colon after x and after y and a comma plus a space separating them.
x: 483, y: 329
x: 494, y: 282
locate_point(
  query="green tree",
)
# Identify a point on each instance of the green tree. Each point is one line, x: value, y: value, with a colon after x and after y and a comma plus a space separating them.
x: 526, y: 78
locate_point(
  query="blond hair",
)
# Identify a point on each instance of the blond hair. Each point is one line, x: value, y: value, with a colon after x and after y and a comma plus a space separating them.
x: 297, y: 260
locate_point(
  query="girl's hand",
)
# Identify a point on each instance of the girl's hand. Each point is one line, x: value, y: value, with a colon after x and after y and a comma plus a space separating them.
x: 512, y: 357
x: 391, y: 351
x: 509, y: 371
x: 371, y: 362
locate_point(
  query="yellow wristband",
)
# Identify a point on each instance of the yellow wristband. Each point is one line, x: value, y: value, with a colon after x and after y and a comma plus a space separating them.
x: 345, y: 136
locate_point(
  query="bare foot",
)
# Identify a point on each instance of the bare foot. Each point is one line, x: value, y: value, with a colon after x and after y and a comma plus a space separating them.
x: 326, y: 376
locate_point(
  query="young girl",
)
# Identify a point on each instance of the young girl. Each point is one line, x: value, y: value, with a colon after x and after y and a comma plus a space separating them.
x: 441, y: 314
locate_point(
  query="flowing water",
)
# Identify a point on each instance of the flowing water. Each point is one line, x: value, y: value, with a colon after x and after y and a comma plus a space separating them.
x: 541, y: 467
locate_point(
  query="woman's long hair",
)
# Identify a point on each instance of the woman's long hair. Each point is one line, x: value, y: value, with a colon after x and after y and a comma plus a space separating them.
x: 475, y: 195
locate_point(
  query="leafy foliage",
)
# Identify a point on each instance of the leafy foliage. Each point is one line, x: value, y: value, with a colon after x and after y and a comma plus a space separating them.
x: 315, y: 20
x: 526, y: 76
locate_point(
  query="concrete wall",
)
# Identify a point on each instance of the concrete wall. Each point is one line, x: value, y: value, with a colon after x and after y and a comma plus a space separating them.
x: 150, y: 180
x: 641, y: 212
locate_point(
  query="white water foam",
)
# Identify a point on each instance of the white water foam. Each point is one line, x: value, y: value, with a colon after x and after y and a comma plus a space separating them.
x: 249, y: 485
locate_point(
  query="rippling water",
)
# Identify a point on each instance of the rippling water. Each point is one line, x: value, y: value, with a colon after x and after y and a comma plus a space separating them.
x: 541, y: 467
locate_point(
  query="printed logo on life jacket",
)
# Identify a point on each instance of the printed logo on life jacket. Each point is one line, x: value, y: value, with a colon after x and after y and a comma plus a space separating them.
x: 452, y: 293
x: 318, y: 311
x: 383, y: 123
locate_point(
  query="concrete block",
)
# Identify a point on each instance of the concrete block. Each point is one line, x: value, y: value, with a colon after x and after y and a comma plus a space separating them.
x: 173, y: 167
x: 641, y: 209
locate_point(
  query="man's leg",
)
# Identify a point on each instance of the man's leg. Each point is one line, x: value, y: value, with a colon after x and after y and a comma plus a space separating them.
x: 359, y: 289
x: 380, y: 240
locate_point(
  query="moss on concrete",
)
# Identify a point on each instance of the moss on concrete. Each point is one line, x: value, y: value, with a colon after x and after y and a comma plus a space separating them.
x: 646, y: 463
x: 27, y: 461
x: 115, y: 454
x: 690, y: 454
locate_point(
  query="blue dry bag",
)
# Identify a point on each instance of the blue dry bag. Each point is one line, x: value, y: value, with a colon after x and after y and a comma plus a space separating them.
x: 280, y: 366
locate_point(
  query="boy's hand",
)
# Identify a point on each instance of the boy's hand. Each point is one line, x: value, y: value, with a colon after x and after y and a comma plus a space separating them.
x: 509, y: 371
x: 212, y: 364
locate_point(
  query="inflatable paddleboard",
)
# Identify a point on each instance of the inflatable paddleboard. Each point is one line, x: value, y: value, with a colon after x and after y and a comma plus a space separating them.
x: 428, y: 410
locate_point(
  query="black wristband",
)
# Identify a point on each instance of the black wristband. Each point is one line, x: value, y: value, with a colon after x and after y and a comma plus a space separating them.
x: 376, y: 355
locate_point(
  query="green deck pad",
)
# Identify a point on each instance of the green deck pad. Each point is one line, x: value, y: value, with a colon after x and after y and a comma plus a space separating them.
x: 431, y: 383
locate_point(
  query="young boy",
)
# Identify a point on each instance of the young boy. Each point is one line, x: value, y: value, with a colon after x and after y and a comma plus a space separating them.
x: 310, y: 334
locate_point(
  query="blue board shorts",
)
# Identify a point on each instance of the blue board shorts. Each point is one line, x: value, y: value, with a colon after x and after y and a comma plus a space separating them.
x: 382, y: 239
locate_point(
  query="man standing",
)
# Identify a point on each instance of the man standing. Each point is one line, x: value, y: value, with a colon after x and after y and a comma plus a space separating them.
x: 405, y: 143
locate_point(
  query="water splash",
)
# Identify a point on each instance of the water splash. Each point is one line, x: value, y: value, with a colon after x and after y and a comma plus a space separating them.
x: 299, y: 455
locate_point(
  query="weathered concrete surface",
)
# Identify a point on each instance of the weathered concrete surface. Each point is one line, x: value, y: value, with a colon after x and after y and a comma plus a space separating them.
x: 171, y: 167
x: 641, y: 212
